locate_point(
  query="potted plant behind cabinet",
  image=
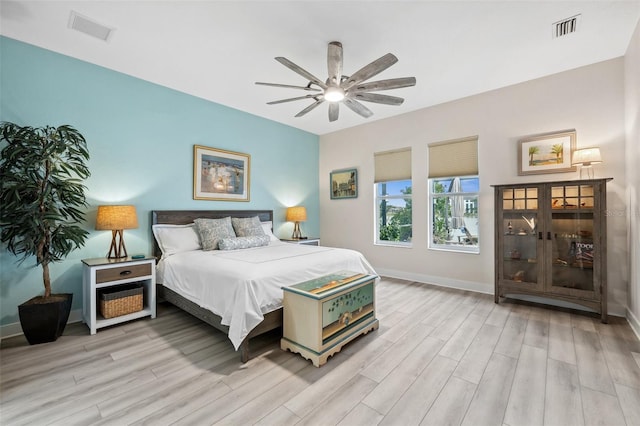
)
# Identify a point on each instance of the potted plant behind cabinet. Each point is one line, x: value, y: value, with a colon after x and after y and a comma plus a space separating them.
x: 41, y: 196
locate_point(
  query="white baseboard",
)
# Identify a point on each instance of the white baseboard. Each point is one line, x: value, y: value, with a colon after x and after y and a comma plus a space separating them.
x: 14, y: 329
x: 439, y: 281
x: 613, y: 309
x: 633, y: 322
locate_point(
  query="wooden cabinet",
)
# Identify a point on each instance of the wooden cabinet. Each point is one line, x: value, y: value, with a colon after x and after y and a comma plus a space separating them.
x: 103, y: 273
x: 551, y: 241
x: 322, y: 315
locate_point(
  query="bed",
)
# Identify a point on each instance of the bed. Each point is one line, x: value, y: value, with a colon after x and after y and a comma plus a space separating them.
x: 239, y: 292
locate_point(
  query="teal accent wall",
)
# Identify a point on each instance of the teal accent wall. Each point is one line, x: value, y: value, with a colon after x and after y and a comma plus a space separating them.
x: 141, y: 137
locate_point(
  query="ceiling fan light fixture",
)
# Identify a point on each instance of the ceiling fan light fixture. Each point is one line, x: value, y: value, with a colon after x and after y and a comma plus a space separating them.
x: 348, y: 90
x: 334, y: 94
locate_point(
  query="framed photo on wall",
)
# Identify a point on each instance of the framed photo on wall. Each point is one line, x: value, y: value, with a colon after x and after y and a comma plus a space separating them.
x: 220, y: 175
x: 343, y: 184
x: 546, y: 153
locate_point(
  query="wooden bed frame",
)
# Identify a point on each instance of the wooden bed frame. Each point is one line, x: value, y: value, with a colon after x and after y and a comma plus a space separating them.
x: 272, y: 320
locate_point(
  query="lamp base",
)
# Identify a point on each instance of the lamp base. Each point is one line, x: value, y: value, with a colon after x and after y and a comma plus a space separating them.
x: 588, y: 170
x: 297, y: 235
x: 117, y: 245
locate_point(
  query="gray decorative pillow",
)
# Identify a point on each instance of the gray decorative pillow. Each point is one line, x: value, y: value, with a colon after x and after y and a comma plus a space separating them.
x: 244, y: 242
x: 211, y: 231
x: 247, y: 226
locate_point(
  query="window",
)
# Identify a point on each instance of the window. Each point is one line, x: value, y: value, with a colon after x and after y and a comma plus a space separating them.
x: 454, y: 213
x: 453, y: 195
x: 393, y: 212
x: 393, y: 198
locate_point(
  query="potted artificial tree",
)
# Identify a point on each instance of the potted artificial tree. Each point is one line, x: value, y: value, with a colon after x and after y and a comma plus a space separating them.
x: 41, y: 200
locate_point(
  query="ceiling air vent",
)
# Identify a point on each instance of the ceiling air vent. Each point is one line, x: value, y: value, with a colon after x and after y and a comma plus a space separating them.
x: 85, y: 25
x: 566, y: 26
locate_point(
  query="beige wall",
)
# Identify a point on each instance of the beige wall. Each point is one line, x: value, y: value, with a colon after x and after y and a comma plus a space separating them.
x: 588, y: 99
x: 632, y: 122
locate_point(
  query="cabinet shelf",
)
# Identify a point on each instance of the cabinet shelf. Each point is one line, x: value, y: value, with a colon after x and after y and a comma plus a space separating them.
x: 576, y: 240
x: 577, y: 265
x: 572, y: 209
x: 529, y: 261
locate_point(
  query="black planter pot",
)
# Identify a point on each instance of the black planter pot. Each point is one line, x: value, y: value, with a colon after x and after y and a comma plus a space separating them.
x: 44, y: 320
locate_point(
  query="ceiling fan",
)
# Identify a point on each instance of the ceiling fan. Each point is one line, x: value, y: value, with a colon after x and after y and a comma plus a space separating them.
x: 343, y: 88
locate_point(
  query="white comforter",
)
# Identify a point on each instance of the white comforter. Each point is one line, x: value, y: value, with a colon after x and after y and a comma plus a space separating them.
x: 242, y: 285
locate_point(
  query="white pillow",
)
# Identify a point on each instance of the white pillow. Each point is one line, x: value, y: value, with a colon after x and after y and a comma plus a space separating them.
x: 174, y: 239
x: 266, y: 227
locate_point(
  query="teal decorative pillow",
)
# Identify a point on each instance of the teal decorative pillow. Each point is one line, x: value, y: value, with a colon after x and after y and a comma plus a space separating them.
x: 211, y: 231
x: 244, y: 242
x: 247, y: 226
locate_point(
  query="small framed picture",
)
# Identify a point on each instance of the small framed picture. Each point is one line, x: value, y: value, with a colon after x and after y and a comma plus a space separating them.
x: 546, y: 153
x: 220, y: 175
x: 343, y: 184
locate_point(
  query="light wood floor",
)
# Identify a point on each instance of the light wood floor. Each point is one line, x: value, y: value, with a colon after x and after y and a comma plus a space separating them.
x: 440, y: 357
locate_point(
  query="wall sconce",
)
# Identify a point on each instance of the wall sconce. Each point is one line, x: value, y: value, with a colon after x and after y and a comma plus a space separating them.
x: 116, y: 219
x: 296, y: 214
x: 586, y: 158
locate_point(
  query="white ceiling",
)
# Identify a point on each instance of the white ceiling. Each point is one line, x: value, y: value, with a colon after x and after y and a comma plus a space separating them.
x: 216, y: 50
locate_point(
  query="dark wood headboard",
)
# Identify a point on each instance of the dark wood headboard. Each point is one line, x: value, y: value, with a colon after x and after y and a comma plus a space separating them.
x: 183, y: 217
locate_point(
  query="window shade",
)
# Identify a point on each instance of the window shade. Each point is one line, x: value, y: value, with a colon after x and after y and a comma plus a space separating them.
x: 453, y: 158
x: 392, y: 165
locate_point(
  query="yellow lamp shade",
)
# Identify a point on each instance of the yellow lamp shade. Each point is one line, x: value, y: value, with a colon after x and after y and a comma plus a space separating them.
x: 296, y: 214
x: 116, y: 217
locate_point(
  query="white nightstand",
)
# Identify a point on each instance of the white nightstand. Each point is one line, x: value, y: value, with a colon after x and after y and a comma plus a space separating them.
x: 310, y: 241
x: 101, y: 273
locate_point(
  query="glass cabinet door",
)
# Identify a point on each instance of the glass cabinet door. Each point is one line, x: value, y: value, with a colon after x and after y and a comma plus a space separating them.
x: 521, y: 247
x: 572, y: 239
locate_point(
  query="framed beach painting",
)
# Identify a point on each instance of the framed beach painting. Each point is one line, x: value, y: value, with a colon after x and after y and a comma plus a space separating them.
x: 546, y: 153
x: 344, y: 184
x: 220, y: 175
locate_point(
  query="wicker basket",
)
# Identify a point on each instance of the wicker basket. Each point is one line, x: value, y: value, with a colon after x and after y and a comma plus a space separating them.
x: 121, y: 300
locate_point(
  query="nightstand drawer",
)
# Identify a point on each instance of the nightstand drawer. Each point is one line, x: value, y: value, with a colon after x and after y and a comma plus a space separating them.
x: 122, y: 272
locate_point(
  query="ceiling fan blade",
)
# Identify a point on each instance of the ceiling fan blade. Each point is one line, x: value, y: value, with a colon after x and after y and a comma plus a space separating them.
x: 334, y: 62
x: 291, y: 99
x: 394, y: 83
x: 368, y: 71
x: 306, y: 74
x: 378, y: 99
x: 310, y: 107
x: 357, y: 107
x: 333, y: 111
x: 313, y: 89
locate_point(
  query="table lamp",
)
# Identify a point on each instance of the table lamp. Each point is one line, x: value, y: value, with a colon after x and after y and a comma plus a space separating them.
x: 586, y: 158
x: 296, y: 214
x: 116, y: 219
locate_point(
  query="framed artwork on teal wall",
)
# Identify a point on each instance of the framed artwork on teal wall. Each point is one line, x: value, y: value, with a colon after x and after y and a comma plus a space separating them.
x: 220, y: 175
x: 344, y: 184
